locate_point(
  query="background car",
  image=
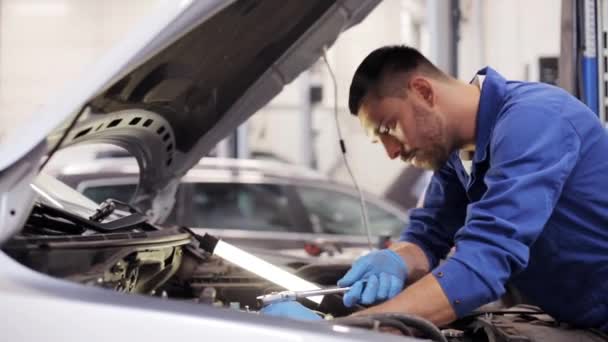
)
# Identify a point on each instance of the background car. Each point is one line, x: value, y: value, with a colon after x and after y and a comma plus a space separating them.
x: 253, y: 203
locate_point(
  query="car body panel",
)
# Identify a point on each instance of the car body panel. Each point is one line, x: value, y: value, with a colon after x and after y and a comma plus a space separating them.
x: 93, y: 111
x: 64, y: 311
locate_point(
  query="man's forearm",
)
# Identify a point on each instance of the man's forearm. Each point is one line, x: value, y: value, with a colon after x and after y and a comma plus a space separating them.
x: 415, y: 259
x: 424, y: 298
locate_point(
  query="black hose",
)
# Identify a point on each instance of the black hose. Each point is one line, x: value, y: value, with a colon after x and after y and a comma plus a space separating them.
x: 393, y: 323
x: 417, y: 322
x: 368, y: 323
x: 401, y: 322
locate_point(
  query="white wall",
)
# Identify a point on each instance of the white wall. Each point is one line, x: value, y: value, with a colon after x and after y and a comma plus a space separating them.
x: 45, y: 44
x: 508, y: 35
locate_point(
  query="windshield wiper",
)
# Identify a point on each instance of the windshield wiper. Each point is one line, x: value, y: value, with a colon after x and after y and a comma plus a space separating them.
x: 107, y: 208
x: 56, y: 218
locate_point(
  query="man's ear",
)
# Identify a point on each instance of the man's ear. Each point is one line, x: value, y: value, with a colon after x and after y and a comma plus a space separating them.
x: 423, y: 88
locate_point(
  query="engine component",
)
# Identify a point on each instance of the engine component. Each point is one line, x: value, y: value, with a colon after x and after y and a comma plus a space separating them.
x: 138, y: 262
x: 405, y: 324
x: 519, y: 326
x: 208, y: 295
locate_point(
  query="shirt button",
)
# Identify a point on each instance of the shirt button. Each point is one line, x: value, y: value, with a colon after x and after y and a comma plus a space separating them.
x: 439, y: 274
x: 457, y: 301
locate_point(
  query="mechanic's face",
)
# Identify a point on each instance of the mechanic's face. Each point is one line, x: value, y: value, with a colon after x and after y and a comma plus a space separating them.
x: 411, y: 128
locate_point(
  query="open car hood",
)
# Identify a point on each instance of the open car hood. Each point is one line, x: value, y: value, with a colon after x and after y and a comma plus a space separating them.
x: 189, y: 75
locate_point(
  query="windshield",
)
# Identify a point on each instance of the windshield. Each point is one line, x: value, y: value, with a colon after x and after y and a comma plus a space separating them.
x: 340, y: 213
x: 53, y: 192
x: 121, y: 192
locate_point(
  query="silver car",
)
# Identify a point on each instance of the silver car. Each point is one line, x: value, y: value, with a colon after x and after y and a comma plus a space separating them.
x: 191, y: 73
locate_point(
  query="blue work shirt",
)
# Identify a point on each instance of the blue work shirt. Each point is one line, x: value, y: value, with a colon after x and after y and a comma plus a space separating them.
x: 534, y: 210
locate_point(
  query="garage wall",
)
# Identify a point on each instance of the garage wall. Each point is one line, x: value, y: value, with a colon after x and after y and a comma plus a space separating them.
x: 509, y: 35
x: 45, y: 44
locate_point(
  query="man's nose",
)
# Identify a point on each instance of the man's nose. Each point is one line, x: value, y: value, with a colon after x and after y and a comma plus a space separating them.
x: 391, y: 145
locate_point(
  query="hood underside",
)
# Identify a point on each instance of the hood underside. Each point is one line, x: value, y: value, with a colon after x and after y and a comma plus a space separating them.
x: 174, y: 107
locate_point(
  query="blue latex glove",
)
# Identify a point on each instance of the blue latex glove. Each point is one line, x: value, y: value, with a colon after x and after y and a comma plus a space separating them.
x: 377, y: 276
x: 293, y: 310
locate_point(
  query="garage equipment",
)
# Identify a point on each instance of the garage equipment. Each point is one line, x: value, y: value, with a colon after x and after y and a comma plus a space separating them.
x: 255, y: 264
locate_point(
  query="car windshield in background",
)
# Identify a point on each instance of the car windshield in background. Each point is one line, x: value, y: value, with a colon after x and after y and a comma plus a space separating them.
x: 265, y: 207
x: 122, y: 192
x: 238, y: 206
x: 339, y: 213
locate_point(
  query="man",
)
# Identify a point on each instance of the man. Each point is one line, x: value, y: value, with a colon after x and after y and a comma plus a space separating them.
x: 520, y: 191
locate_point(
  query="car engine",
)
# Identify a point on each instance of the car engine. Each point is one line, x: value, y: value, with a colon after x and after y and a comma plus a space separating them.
x: 133, y: 256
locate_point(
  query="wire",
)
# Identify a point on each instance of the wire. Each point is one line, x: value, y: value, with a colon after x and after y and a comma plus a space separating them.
x: 364, y: 217
x: 504, y: 312
x: 63, y: 137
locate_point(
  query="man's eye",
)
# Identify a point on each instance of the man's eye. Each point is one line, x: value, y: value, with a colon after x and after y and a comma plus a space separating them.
x: 383, y: 129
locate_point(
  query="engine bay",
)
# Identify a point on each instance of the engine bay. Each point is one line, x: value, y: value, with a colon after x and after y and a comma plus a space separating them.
x: 133, y: 256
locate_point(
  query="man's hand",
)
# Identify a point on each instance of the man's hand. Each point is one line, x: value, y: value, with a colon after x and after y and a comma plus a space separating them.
x: 424, y: 298
x: 403, y: 262
x: 374, y: 277
x: 292, y: 310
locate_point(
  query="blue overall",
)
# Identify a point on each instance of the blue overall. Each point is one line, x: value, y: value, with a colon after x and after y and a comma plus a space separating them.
x: 534, y: 210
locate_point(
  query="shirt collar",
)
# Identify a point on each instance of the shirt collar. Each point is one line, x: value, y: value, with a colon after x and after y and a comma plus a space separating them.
x: 466, y: 153
x: 490, y: 104
x: 478, y: 81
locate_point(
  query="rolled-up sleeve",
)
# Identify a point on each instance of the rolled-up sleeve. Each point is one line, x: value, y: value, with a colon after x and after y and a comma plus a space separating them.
x: 433, y: 226
x: 531, y: 157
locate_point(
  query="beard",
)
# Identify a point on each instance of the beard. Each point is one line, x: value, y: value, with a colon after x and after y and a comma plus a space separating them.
x: 434, y: 151
x: 432, y: 158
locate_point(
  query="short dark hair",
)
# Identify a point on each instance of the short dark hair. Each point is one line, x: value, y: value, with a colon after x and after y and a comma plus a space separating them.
x: 381, y: 62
